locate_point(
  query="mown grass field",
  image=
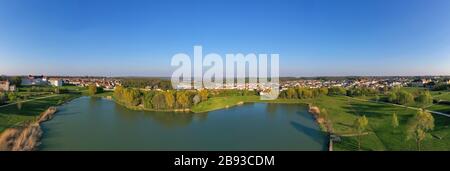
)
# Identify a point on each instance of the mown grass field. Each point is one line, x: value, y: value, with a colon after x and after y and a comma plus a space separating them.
x: 382, y: 136
x: 11, y: 115
x: 444, y: 95
x: 437, y: 96
x: 343, y: 111
x: 221, y: 102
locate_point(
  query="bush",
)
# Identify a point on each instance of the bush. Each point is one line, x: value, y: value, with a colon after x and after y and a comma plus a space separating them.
x: 337, y: 91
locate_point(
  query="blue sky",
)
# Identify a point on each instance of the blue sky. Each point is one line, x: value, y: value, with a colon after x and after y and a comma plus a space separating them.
x: 139, y: 37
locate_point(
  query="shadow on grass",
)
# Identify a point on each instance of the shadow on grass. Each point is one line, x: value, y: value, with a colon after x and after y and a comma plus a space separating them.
x: 370, y: 110
x: 316, y: 135
x: 32, y: 108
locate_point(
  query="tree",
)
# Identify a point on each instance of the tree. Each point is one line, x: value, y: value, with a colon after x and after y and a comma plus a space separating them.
x: 404, y: 97
x: 203, y: 94
x: 360, y: 125
x: 337, y: 91
x: 424, y: 98
x: 323, y: 91
x: 392, y: 97
x: 170, y: 100
x: 19, y: 105
x: 394, y: 121
x: 132, y: 96
x: 92, y: 89
x: 182, y: 99
x: 422, y: 122
x: 159, y: 101
x: 16, y: 81
x: 118, y: 92
x: 57, y: 90
x: 147, y: 99
x: 3, y: 98
x: 307, y: 93
x: 12, y: 96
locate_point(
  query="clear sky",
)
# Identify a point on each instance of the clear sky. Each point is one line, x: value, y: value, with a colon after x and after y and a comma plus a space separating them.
x: 139, y: 37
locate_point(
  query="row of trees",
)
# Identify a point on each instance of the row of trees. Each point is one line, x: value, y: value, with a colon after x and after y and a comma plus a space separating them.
x: 154, y: 83
x: 303, y: 93
x: 363, y: 91
x: 402, y: 97
x: 93, y: 89
x: 160, y: 100
x: 441, y: 87
x: 12, y: 97
x: 9, y: 96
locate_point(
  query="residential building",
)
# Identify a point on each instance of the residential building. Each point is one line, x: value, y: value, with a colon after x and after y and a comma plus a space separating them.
x: 34, y: 80
x: 56, y: 82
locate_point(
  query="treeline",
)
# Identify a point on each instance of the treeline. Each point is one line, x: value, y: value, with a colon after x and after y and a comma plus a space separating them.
x: 153, y: 83
x: 395, y: 95
x: 403, y: 97
x: 93, y: 89
x: 159, y: 100
x: 3, y: 98
x: 363, y: 91
x: 303, y: 93
x: 11, y: 97
x: 441, y: 87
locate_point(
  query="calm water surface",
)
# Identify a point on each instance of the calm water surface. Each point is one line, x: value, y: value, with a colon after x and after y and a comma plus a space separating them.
x: 99, y: 124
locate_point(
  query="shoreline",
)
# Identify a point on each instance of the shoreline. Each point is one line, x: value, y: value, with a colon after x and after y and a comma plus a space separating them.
x: 315, y: 111
x: 26, y: 136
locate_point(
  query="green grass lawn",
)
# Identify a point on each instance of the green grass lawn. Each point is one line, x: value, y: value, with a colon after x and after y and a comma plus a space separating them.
x: 12, y: 115
x: 221, y: 102
x: 442, y: 95
x: 440, y: 108
x: 382, y: 136
x: 344, y: 110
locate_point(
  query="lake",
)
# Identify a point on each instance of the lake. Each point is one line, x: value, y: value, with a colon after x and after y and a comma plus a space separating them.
x: 100, y: 124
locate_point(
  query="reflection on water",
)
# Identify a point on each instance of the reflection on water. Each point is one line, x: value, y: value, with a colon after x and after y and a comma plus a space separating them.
x: 100, y: 124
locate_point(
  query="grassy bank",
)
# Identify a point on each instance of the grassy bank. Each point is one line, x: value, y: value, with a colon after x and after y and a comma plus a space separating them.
x: 221, y: 103
x: 217, y: 103
x: 13, y: 114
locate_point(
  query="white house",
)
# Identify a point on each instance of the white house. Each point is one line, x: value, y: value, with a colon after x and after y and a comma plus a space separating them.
x: 56, y: 82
